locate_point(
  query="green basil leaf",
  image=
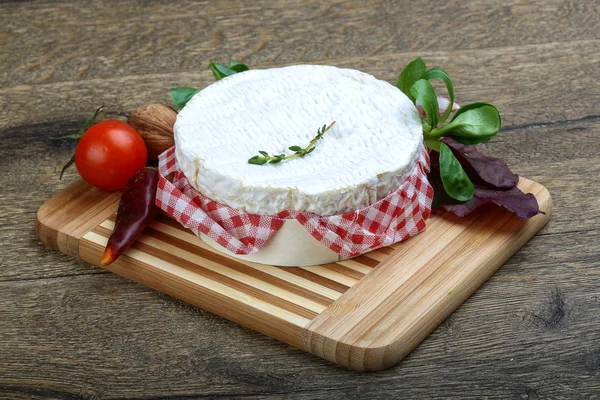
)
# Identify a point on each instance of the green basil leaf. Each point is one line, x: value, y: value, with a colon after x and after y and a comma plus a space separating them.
x: 438, y: 73
x: 181, y: 95
x: 425, y: 95
x: 454, y: 178
x: 409, y: 75
x: 472, y: 106
x: 433, y: 145
x: 237, y: 67
x: 472, y: 124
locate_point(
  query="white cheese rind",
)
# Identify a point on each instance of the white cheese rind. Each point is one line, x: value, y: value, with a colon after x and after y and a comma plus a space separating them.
x: 367, y: 154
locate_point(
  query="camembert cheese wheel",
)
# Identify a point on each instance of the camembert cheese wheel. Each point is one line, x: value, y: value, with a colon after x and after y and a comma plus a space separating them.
x: 366, y: 155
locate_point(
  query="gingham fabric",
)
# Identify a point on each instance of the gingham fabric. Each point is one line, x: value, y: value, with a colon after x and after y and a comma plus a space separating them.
x: 394, y: 218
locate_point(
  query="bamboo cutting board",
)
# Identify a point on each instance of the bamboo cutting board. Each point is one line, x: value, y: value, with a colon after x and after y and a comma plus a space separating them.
x: 366, y: 313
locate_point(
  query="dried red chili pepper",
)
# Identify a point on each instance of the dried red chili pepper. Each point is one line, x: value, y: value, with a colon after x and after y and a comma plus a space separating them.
x: 137, y: 209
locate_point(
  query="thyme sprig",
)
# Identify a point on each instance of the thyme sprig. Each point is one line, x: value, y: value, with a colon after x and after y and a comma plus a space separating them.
x: 265, y: 157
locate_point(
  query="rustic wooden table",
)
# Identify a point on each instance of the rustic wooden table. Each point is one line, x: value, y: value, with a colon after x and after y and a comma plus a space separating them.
x: 71, y: 330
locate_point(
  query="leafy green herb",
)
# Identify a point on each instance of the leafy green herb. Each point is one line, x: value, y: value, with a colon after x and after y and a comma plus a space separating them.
x: 425, y: 95
x: 433, y: 144
x: 265, y: 158
x: 181, y: 95
x: 221, y: 71
x: 91, y: 120
x: 472, y: 124
x: 409, y: 75
x: 237, y: 67
x: 438, y: 73
x: 454, y: 178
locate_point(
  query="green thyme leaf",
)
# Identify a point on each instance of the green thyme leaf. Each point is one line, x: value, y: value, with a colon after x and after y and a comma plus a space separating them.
x: 454, y: 178
x: 438, y: 73
x: 258, y: 160
x: 409, y: 75
x: 299, y: 151
x: 181, y: 95
x: 425, y: 95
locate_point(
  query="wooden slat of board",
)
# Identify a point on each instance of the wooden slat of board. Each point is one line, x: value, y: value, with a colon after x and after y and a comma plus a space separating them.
x: 356, y: 266
x: 170, y: 251
x: 331, y: 275
x: 345, y: 270
x: 299, y: 281
x: 197, y: 290
x: 318, y: 292
x: 321, y: 280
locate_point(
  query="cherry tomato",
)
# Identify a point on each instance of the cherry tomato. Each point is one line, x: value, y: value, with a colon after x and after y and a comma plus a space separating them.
x: 109, y: 154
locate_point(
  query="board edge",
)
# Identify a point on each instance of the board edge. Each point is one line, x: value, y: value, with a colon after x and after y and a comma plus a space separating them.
x: 384, y: 356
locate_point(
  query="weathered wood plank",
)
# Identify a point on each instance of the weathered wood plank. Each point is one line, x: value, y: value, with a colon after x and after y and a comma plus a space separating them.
x: 525, y: 91
x: 71, y: 40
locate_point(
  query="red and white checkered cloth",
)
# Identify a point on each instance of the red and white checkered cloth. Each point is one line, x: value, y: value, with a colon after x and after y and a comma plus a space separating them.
x: 394, y: 218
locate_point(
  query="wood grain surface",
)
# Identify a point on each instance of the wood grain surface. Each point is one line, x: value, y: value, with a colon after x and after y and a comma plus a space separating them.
x: 70, y: 330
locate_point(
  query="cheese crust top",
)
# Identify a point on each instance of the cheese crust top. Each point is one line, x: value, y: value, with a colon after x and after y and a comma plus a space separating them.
x: 366, y: 155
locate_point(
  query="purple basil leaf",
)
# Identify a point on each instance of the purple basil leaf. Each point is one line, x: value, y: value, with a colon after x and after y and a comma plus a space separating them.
x: 514, y: 200
x: 481, y: 169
